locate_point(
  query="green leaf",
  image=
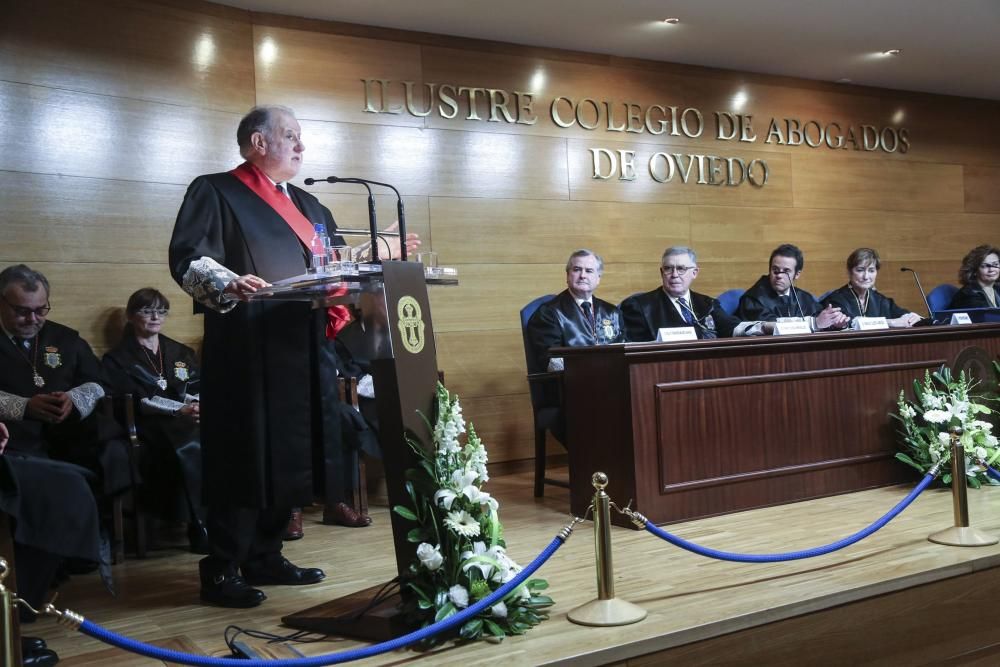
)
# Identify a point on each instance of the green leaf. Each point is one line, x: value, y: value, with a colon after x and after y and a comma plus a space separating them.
x: 540, y: 601
x: 425, y: 604
x: 493, y: 628
x: 537, y: 585
x: 405, y: 512
x: 416, y: 535
x: 472, y: 629
x: 444, y: 612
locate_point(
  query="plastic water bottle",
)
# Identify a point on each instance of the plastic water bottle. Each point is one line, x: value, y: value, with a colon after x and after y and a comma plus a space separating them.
x: 317, y: 246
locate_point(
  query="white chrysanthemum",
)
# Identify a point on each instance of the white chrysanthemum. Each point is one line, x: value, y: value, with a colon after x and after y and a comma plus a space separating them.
x: 430, y: 556
x: 499, y: 610
x: 462, y: 523
x: 937, y: 416
x: 459, y: 596
x: 944, y: 439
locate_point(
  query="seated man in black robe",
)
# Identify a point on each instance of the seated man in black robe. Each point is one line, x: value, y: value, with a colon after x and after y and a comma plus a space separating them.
x: 775, y: 295
x: 574, y: 317
x: 50, y: 384
x: 674, y: 304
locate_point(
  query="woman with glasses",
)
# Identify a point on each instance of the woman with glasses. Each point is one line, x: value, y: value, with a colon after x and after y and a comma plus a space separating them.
x: 162, y: 375
x: 978, y: 275
x: 859, y: 298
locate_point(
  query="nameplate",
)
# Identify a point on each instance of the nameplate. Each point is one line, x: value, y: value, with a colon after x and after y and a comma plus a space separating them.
x: 960, y: 318
x: 674, y: 334
x: 869, y: 323
x: 785, y: 326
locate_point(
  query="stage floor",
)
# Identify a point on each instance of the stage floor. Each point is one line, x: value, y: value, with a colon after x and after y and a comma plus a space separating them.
x: 689, y: 598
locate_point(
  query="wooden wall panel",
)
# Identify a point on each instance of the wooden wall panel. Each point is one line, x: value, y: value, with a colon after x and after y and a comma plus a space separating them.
x: 52, y: 131
x: 511, y: 231
x: 322, y: 73
x: 877, y: 185
x: 111, y: 109
x: 982, y: 194
x: 131, y: 49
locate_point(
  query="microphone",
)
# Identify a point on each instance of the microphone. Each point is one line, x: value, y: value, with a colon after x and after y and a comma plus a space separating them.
x: 930, y: 313
x: 795, y: 295
x: 400, y: 209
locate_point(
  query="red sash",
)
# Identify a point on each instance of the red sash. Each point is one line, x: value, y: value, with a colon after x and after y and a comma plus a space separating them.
x: 337, y: 317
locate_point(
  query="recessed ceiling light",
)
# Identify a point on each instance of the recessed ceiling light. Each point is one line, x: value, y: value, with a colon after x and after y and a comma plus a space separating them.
x: 845, y: 80
x: 892, y: 52
x: 672, y: 21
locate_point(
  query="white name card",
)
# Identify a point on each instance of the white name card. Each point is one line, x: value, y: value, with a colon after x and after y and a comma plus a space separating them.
x: 784, y: 326
x: 869, y: 323
x: 674, y: 334
x: 960, y: 318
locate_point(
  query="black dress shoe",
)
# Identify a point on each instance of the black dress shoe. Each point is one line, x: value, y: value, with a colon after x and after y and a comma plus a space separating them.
x: 29, y: 644
x: 42, y: 657
x: 280, y: 572
x: 223, y: 587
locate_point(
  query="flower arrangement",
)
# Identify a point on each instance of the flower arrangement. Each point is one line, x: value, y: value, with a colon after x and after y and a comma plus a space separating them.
x: 460, y: 556
x: 940, y: 403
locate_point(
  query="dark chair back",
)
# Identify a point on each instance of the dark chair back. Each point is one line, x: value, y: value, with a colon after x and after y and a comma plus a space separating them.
x: 730, y: 300
x: 940, y: 297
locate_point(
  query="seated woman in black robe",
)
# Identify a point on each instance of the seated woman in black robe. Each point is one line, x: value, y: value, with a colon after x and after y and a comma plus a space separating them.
x: 978, y: 275
x: 162, y: 375
x: 859, y: 298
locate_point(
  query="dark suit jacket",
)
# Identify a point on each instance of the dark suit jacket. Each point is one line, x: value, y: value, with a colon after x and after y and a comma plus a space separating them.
x: 970, y: 296
x: 646, y: 313
x: 761, y: 303
x: 560, y: 322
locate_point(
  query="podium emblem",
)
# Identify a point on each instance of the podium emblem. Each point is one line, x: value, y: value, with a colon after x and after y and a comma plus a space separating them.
x: 411, y: 324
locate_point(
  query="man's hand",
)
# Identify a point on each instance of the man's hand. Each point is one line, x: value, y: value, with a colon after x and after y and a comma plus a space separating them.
x: 831, y: 318
x: 4, y: 437
x: 49, y: 408
x: 191, y: 411
x: 412, y: 242
x: 244, y: 286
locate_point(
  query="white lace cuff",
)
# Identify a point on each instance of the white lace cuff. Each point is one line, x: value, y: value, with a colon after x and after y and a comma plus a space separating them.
x: 366, y: 387
x: 85, y: 397
x: 205, y: 280
x: 159, y: 405
x: 556, y: 364
x: 12, y: 407
x: 749, y: 329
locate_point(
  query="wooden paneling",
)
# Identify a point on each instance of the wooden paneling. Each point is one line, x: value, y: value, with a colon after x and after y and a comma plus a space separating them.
x: 483, y: 363
x: 130, y: 49
x: 981, y: 191
x: 879, y: 185
x: 510, y: 231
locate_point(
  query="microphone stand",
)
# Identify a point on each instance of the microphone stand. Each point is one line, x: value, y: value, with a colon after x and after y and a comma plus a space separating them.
x: 923, y: 295
x: 400, y: 211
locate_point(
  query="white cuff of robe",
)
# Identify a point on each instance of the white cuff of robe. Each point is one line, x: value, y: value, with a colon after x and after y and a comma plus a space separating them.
x: 85, y: 397
x: 366, y: 387
x: 556, y: 364
x: 159, y: 405
x: 749, y: 329
x: 206, y: 280
x: 12, y: 407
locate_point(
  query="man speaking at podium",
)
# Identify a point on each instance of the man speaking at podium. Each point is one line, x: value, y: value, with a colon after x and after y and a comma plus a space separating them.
x: 236, y: 232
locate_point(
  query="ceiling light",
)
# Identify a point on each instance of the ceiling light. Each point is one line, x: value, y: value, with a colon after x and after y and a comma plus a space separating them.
x: 672, y: 21
x: 892, y: 52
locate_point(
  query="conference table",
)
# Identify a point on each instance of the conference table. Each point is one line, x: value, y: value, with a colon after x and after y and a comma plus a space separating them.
x: 700, y: 428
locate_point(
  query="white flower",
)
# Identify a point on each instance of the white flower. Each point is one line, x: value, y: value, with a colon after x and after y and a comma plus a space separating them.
x: 981, y: 453
x: 991, y: 441
x: 478, y: 549
x: 932, y: 401
x: 499, y: 610
x: 937, y: 416
x: 445, y: 497
x: 944, y: 439
x: 463, y: 478
x: 430, y: 557
x: 479, y: 497
x: 935, y: 455
x: 459, y: 596
x: 907, y: 411
x: 462, y: 523
x: 981, y: 425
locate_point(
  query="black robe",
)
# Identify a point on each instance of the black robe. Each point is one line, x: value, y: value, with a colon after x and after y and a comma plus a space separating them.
x: 258, y: 359
x: 971, y: 296
x: 646, y: 313
x: 559, y: 322
x: 171, y: 459
x: 878, y: 305
x: 761, y: 303
x: 64, y: 361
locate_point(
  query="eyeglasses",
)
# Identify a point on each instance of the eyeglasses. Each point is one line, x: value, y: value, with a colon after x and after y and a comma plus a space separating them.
x: 989, y: 266
x: 149, y: 312
x: 23, y: 312
x: 679, y: 270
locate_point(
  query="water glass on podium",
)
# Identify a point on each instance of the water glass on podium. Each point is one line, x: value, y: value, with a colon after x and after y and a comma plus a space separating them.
x: 342, y: 261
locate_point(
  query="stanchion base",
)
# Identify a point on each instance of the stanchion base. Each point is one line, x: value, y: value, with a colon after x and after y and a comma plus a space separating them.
x: 607, y: 612
x: 958, y: 536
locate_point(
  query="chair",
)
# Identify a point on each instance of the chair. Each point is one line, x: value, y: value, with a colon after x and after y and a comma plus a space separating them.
x: 730, y: 300
x: 122, y: 409
x: 940, y: 297
x: 348, y: 389
x: 546, y: 413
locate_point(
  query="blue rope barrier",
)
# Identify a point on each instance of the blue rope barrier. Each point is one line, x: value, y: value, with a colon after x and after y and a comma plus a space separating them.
x: 793, y: 555
x: 108, y: 637
x: 993, y: 472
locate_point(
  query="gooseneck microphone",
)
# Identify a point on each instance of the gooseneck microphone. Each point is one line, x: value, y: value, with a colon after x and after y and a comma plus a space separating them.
x: 930, y: 313
x: 795, y: 295
x: 400, y: 209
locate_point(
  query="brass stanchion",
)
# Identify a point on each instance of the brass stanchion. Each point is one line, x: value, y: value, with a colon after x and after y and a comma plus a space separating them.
x: 606, y: 609
x: 10, y: 656
x: 960, y: 535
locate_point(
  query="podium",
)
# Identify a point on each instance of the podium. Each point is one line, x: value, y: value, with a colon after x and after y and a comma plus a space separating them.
x: 399, y: 335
